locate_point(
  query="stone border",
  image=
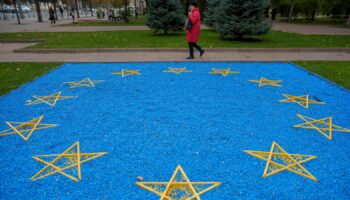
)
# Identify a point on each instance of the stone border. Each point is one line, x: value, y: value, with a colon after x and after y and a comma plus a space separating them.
x: 22, y: 41
x: 121, y: 50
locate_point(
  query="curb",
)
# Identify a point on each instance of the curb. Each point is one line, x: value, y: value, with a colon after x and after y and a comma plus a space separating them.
x: 22, y: 41
x: 121, y: 50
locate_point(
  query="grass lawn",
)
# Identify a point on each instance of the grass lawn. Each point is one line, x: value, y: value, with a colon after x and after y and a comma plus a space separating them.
x: 146, y: 39
x: 13, y: 75
x: 140, y: 21
x: 335, y: 71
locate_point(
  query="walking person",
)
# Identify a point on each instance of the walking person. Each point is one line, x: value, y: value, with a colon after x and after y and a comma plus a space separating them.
x: 61, y: 11
x: 52, y: 15
x: 192, y: 26
x: 71, y: 13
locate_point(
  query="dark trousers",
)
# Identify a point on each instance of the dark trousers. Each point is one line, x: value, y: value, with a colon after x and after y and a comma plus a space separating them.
x: 191, y: 45
x: 53, y: 20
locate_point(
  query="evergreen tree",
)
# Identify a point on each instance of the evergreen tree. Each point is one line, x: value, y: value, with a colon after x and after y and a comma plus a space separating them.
x: 238, y: 18
x: 212, y: 5
x: 165, y: 15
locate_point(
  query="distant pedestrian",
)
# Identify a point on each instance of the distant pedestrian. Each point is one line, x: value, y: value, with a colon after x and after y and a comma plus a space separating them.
x: 52, y: 15
x: 61, y: 11
x: 71, y: 13
x: 192, y: 27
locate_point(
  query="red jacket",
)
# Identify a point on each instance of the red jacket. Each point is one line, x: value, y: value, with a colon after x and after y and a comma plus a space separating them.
x: 193, y: 34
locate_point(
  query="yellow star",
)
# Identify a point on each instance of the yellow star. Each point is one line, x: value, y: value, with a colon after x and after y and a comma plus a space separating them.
x: 304, y: 101
x: 177, y: 70
x: 83, y: 83
x: 278, y: 160
x: 324, y: 126
x: 64, y: 163
x: 50, y: 100
x: 179, y: 187
x: 127, y: 72
x: 264, y: 81
x: 25, y: 129
x: 223, y: 72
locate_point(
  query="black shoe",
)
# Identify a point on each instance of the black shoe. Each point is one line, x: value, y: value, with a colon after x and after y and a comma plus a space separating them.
x: 201, y: 53
x: 190, y: 58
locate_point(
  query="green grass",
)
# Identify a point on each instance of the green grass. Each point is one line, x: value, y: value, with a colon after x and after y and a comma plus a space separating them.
x: 146, y: 39
x: 335, y: 71
x: 13, y: 75
x: 140, y: 21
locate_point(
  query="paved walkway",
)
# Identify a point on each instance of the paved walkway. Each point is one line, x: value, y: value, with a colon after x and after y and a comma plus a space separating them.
x: 11, y: 27
x: 310, y: 29
x: 32, y: 26
x: 7, y: 55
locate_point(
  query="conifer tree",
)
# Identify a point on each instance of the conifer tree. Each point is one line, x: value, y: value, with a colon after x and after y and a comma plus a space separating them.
x: 239, y: 18
x: 165, y: 15
x: 209, y: 13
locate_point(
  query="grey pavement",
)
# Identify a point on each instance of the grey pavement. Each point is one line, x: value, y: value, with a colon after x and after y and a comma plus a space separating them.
x: 33, y: 26
x: 7, y: 55
x: 312, y: 29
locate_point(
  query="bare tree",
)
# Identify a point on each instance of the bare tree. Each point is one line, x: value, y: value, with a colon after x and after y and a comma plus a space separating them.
x: 3, y: 9
x: 16, y: 11
x: 77, y: 8
x: 135, y: 8
x: 38, y: 11
x: 126, y: 11
x: 19, y: 7
x: 90, y: 5
x: 291, y: 10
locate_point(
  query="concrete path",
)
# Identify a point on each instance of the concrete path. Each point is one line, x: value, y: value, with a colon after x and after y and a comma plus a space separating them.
x: 7, y: 55
x: 33, y: 26
x: 310, y: 29
x: 29, y: 25
x: 46, y: 26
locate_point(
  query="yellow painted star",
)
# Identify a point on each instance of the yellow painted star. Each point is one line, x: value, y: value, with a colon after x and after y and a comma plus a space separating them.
x: 324, y: 126
x: 25, y: 129
x: 264, y: 82
x: 278, y: 160
x: 50, y: 100
x: 127, y: 72
x: 67, y: 163
x: 303, y: 101
x: 223, y: 72
x: 83, y: 83
x: 177, y: 70
x: 179, y: 187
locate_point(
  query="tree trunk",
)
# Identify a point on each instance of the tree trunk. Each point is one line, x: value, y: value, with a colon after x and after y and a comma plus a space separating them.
x: 77, y: 8
x: 90, y: 4
x: 3, y: 12
x: 38, y: 11
x: 186, y: 7
x: 20, y: 9
x: 126, y: 20
x: 54, y: 8
x: 348, y: 23
x: 202, y: 6
x: 314, y: 10
x: 135, y: 8
x: 291, y: 11
x: 15, y: 6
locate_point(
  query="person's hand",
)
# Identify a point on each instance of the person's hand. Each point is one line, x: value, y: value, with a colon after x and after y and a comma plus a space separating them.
x: 189, y: 13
